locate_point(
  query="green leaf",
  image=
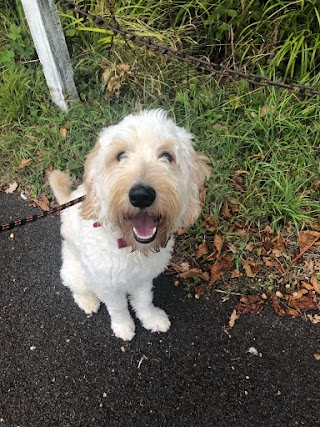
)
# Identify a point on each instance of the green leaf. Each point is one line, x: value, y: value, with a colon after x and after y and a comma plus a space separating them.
x: 232, y: 13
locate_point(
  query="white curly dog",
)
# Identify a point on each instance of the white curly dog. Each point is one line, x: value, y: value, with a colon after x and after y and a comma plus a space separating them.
x: 141, y: 182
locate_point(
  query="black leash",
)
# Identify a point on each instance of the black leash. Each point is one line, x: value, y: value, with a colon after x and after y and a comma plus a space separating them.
x: 43, y: 214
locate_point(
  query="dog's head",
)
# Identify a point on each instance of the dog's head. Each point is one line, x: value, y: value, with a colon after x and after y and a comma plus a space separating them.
x: 144, y: 177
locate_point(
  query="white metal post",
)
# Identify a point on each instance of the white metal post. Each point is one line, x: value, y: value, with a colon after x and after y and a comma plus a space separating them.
x: 48, y: 37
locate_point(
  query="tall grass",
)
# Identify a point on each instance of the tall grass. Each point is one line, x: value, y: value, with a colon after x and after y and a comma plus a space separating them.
x: 276, y: 36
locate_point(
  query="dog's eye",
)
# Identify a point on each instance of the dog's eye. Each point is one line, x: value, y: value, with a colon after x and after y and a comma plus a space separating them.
x: 167, y: 156
x: 122, y: 155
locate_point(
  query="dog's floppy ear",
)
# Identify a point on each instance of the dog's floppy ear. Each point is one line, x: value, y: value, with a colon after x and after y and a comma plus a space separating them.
x: 198, y: 172
x: 91, y: 204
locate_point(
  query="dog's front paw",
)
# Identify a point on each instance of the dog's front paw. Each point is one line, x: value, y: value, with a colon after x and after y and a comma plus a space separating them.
x: 156, y: 320
x: 124, y: 330
x: 88, y: 302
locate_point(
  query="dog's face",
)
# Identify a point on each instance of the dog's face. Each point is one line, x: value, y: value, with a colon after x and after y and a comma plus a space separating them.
x: 143, y: 177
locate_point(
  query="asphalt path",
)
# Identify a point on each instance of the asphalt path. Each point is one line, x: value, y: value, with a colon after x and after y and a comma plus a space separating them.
x: 60, y: 368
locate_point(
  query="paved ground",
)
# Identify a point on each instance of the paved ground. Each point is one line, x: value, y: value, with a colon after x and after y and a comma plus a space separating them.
x: 59, y: 368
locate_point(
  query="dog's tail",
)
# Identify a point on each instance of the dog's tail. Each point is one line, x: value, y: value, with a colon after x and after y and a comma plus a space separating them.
x: 60, y: 183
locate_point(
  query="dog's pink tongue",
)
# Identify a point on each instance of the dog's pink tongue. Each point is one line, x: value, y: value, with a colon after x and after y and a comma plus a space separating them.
x: 144, y: 224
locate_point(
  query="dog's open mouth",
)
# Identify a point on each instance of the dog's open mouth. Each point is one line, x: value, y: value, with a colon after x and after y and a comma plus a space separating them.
x: 144, y: 227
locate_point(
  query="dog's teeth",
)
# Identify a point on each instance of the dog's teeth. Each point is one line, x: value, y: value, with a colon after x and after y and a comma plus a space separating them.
x: 144, y: 237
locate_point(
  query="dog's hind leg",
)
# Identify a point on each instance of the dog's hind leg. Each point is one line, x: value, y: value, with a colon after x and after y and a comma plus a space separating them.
x: 72, y: 276
x: 153, y: 318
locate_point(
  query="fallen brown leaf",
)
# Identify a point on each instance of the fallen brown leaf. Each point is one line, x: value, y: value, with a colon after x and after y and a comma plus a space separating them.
x: 307, y: 286
x: 250, y: 304
x: 250, y: 267
x: 223, y: 263
x: 225, y: 212
x: 12, y: 187
x: 315, y: 283
x: 279, y: 244
x: 232, y: 247
x: 307, y: 239
x: 218, y: 242
x: 210, y: 223
x: 42, y: 202
x: 179, y: 268
x: 250, y: 246
x: 305, y: 302
x: 293, y: 312
x: 298, y: 294
x: 25, y: 163
x: 203, y: 195
x: 277, y: 307
x: 200, y: 290
x: 234, y: 316
x: 194, y: 272
x: 106, y: 74
x: 277, y: 253
x: 202, y: 250
x: 267, y: 230
x: 268, y: 261
x: 314, y: 319
x: 235, y: 274
x: 212, y: 256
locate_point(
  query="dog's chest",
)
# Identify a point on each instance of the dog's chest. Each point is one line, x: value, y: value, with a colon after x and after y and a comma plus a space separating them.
x: 120, y: 266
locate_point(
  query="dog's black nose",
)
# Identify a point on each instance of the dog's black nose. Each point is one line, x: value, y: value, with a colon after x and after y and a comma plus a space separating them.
x: 141, y: 196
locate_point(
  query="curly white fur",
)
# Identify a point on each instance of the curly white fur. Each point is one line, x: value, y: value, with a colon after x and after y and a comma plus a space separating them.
x: 141, y: 182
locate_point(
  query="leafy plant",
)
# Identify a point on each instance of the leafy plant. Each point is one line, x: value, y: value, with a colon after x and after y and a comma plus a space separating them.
x: 18, y: 48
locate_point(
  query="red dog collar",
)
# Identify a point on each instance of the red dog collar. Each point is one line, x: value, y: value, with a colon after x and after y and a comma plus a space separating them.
x: 121, y: 242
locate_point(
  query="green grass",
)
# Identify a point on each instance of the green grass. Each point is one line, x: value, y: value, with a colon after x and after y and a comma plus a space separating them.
x: 267, y: 140
x: 277, y: 36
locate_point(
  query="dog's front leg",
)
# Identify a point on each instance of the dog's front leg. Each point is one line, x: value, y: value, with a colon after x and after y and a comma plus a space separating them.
x: 122, y: 323
x: 153, y: 318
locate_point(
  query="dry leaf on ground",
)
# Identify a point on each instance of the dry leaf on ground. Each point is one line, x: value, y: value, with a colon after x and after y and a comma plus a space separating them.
x: 235, y: 274
x: 306, y: 302
x: 277, y: 307
x: 225, y: 212
x: 202, y: 250
x: 194, y: 272
x: 314, y: 319
x: 234, y: 316
x: 249, y: 304
x: 250, y: 267
x: 223, y: 263
x: 307, y: 239
x: 218, y: 242
x: 12, y: 188
x: 315, y: 283
x: 179, y: 268
x: 298, y: 294
x: 210, y: 224
x: 25, y: 163
x: 42, y: 202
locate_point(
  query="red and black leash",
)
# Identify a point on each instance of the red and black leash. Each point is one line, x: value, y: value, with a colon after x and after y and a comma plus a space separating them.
x: 43, y: 214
